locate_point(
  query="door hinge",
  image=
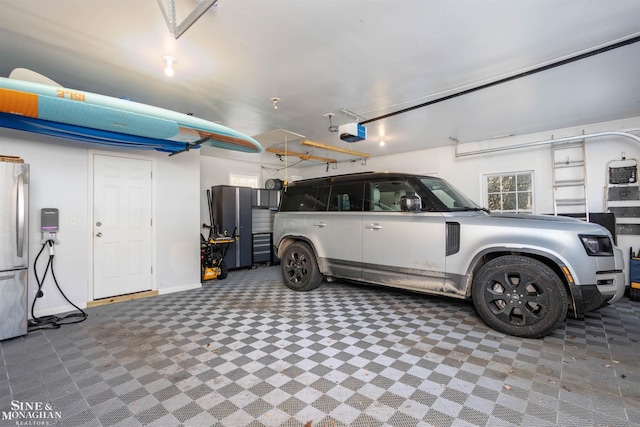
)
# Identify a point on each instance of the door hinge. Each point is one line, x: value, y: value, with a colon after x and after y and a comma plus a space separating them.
x: 152, y: 269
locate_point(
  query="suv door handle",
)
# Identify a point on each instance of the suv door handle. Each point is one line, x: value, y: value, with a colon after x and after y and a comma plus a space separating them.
x: 320, y: 224
x: 374, y: 226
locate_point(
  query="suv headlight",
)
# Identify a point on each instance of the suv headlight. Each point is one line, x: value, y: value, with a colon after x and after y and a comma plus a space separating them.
x: 597, y: 245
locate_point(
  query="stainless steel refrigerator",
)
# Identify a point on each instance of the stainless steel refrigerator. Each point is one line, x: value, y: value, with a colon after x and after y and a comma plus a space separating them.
x: 14, y: 263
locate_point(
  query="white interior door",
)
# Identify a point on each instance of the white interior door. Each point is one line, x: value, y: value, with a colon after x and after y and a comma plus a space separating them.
x: 121, y: 226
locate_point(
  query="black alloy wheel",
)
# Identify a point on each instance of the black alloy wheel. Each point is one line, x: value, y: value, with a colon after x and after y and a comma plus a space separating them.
x: 520, y: 296
x: 300, y: 268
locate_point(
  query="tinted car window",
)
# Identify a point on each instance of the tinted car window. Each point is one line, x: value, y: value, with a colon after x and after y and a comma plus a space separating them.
x: 304, y: 198
x: 347, y: 197
x: 386, y: 195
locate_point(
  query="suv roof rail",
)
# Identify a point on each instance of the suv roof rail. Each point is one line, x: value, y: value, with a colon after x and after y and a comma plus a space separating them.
x: 350, y: 177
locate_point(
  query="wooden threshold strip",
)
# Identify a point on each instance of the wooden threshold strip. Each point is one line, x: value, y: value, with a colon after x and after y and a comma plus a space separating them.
x: 120, y: 298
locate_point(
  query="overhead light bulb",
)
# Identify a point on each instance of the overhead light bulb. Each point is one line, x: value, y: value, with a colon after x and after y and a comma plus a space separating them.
x: 170, y: 60
x: 275, y: 102
x: 382, y: 143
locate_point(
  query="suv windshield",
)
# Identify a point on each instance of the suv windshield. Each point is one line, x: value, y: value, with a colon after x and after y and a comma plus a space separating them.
x: 448, y: 195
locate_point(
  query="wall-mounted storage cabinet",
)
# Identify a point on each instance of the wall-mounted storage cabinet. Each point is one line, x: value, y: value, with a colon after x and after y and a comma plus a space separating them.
x: 623, y: 196
x: 268, y: 199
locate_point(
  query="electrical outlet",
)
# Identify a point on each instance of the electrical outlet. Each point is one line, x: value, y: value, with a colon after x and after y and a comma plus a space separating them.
x: 72, y: 221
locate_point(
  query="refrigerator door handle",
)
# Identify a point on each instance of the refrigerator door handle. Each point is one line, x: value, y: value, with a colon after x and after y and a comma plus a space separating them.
x: 7, y: 277
x: 20, y: 217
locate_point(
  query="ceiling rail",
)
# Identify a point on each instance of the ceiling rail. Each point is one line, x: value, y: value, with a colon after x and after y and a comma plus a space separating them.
x: 626, y: 134
x: 565, y: 61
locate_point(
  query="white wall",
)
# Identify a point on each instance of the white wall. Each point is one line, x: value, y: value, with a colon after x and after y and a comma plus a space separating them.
x: 60, y: 178
x: 466, y: 172
x: 176, y: 220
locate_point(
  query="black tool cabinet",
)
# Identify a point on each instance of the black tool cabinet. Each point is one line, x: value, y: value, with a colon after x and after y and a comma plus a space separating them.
x: 250, y: 212
x: 263, y: 248
x: 232, y: 211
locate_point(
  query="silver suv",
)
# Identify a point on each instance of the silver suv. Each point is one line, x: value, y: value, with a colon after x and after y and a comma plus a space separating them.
x: 522, y: 272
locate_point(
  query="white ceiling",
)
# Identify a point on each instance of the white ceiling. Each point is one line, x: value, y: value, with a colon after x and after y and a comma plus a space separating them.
x: 369, y: 57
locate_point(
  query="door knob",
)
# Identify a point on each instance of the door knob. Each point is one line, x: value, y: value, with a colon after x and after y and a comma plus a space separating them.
x: 99, y: 234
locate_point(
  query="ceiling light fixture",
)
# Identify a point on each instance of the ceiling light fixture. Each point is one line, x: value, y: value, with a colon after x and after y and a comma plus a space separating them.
x: 275, y: 102
x: 170, y: 60
x: 332, y: 127
x: 381, y: 142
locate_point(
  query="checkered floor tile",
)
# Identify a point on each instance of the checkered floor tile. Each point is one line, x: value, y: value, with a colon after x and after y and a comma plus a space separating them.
x: 247, y: 351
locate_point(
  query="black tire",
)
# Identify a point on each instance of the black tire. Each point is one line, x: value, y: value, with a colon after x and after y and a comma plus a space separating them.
x: 535, y: 309
x: 300, y: 268
x: 224, y: 270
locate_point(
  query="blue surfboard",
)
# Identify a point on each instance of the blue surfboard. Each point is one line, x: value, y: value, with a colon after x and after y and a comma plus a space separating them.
x: 97, y: 119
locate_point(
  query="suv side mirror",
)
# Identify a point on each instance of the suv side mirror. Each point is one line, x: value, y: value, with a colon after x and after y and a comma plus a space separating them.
x: 410, y: 203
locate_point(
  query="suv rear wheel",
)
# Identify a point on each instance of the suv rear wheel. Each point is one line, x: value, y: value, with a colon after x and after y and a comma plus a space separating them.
x: 519, y: 296
x: 300, y: 268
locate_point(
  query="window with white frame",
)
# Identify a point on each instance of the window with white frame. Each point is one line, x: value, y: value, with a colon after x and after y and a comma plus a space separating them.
x: 238, y: 180
x: 509, y: 192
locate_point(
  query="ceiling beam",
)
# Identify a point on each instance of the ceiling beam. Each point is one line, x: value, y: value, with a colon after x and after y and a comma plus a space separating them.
x: 176, y: 29
x: 303, y: 156
x: 337, y: 149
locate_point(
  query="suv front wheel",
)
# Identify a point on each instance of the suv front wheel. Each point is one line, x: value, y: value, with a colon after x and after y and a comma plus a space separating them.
x: 519, y: 296
x: 300, y: 268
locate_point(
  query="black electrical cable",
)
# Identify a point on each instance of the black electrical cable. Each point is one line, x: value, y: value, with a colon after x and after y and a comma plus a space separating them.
x: 510, y: 78
x: 51, y: 322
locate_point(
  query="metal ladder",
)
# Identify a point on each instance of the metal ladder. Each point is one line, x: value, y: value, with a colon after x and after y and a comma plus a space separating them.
x: 569, y: 169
